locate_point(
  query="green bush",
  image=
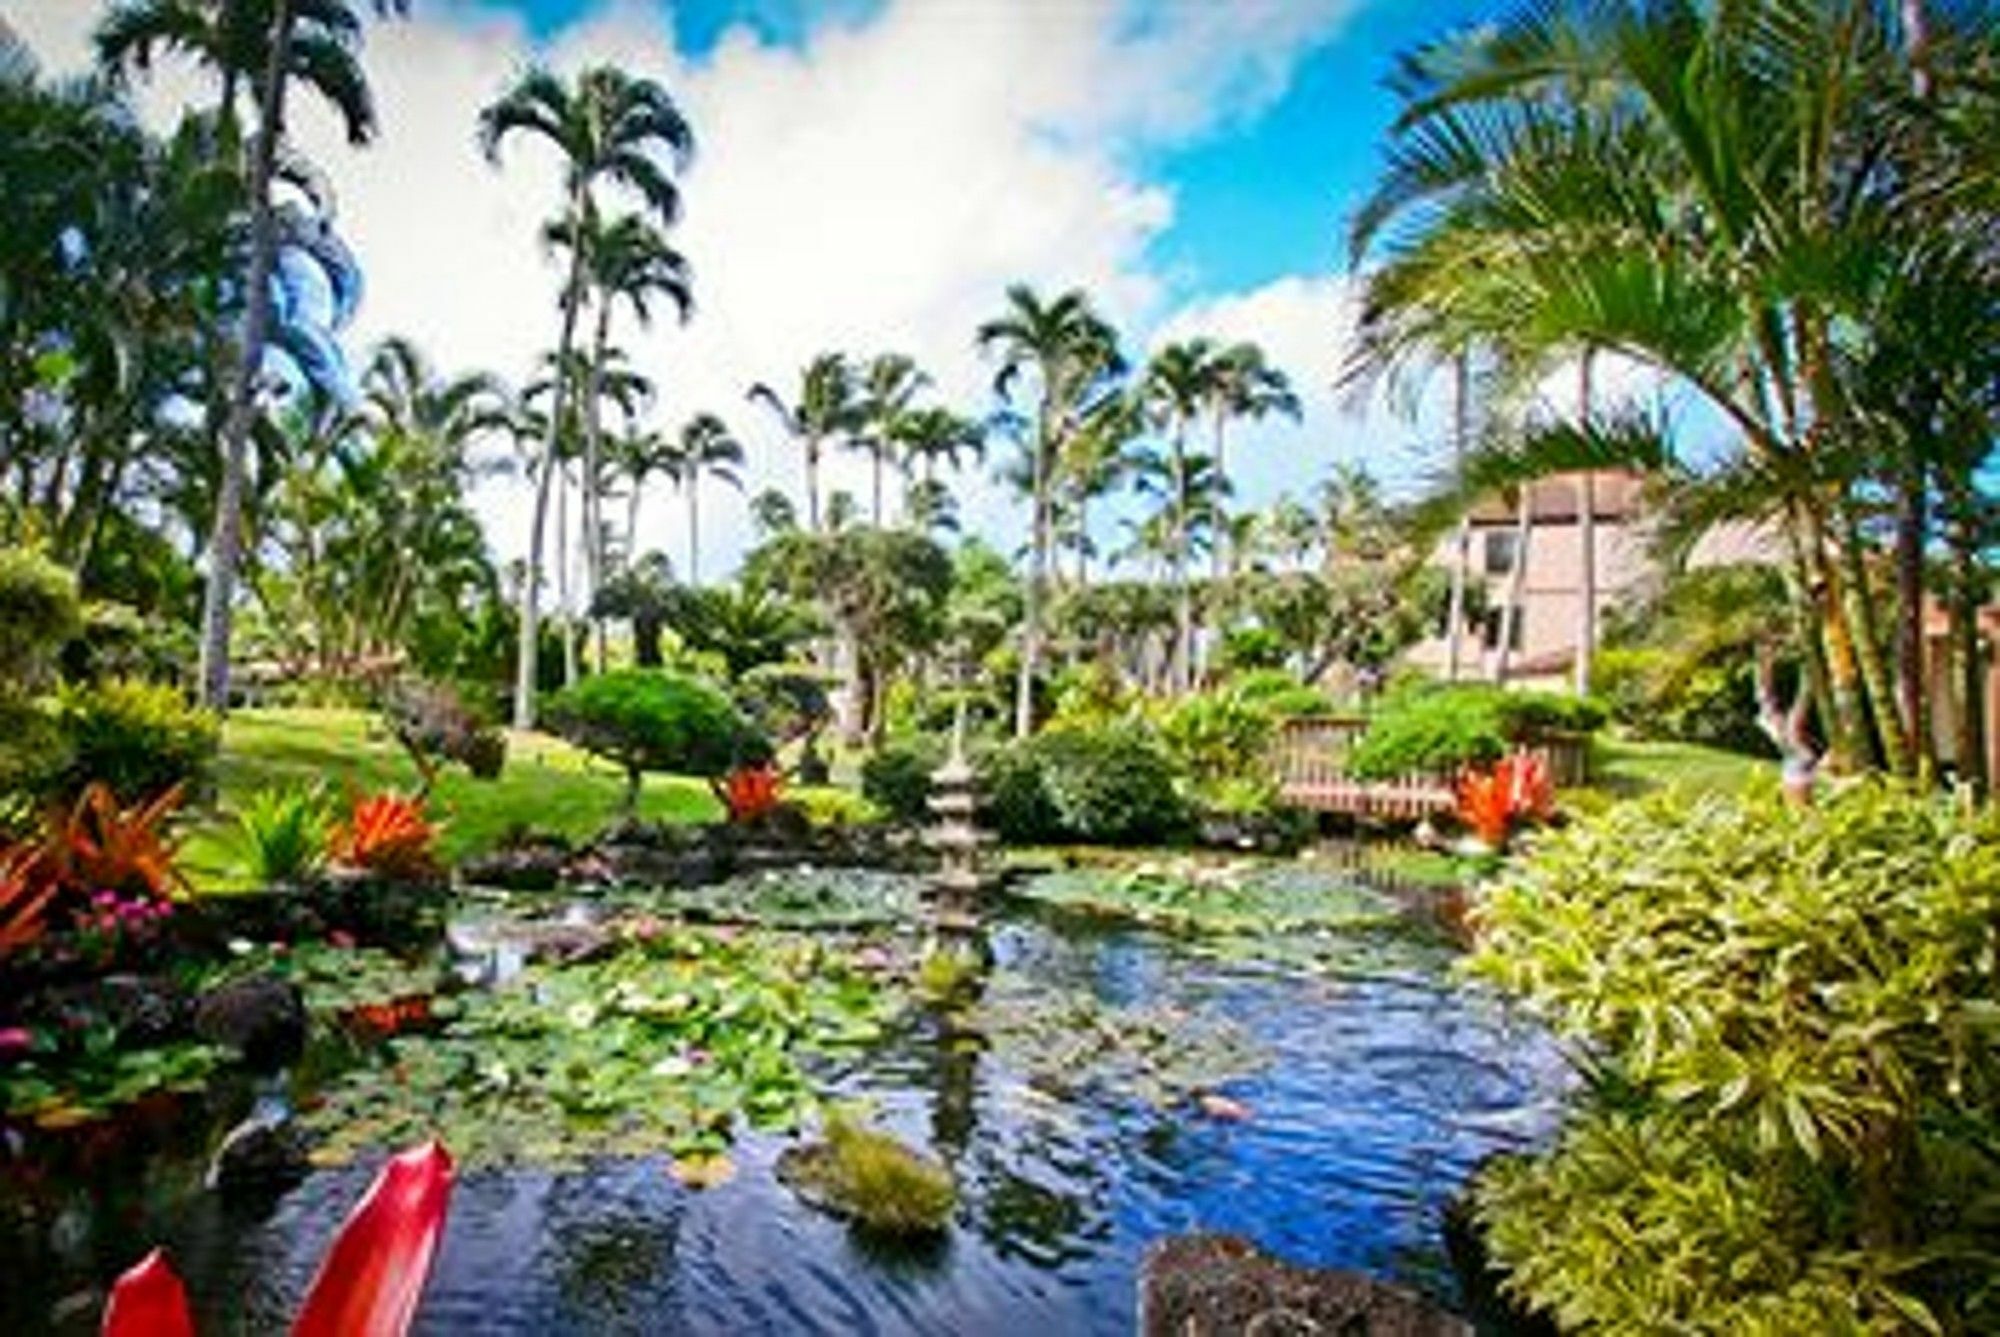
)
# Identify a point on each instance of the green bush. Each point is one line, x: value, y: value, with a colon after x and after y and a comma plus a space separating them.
x: 435, y: 725
x: 41, y: 612
x: 139, y: 738
x: 656, y: 720
x: 283, y: 833
x: 1112, y: 786
x: 896, y: 777
x: 1218, y: 737
x: 1792, y: 1121
x: 1437, y: 727
x: 1282, y: 694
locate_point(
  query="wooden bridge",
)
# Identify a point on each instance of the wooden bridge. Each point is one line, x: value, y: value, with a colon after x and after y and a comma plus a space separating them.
x: 1312, y: 772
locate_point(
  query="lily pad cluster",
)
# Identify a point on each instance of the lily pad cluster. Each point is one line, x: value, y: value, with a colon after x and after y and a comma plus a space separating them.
x: 1068, y: 1042
x: 1205, y: 896
x: 670, y: 1044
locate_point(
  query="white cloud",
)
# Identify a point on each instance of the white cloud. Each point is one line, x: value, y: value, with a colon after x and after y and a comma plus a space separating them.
x: 876, y: 188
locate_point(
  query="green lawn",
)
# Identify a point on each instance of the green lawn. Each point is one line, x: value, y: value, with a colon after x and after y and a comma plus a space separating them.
x: 1627, y: 768
x: 548, y: 785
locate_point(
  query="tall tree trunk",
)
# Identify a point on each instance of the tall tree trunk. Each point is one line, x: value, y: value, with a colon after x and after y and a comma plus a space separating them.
x: 1967, y: 650
x: 812, y: 483
x: 226, y: 544
x: 1183, y: 589
x: 1222, y: 560
x: 1913, y: 488
x: 1461, y: 434
x: 1876, y: 677
x: 694, y: 530
x: 565, y: 609
x: 1586, y: 534
x: 593, y: 526
x: 1031, y: 604
x: 530, y: 631
x: 875, y: 461
x: 1517, y: 582
x: 1849, y: 742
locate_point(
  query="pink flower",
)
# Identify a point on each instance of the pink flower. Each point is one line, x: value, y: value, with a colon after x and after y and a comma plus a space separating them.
x: 16, y: 1040
x: 341, y: 938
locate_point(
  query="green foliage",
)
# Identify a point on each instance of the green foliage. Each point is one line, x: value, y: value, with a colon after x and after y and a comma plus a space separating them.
x: 1280, y: 693
x: 1683, y: 665
x: 435, y: 725
x: 1791, y: 1123
x: 1112, y: 786
x: 1218, y: 737
x: 826, y: 805
x: 40, y: 610
x: 669, y: 1044
x: 1251, y: 649
x: 896, y: 777
x: 1092, y: 695
x: 284, y: 832
x: 1430, y: 728
x: 138, y: 738
x: 655, y: 720
x: 868, y: 1176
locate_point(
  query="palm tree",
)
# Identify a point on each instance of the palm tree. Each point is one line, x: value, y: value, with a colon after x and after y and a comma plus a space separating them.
x: 271, y: 45
x: 888, y: 385
x: 626, y: 259
x: 773, y: 513
x: 639, y: 455
x: 1072, y: 354
x: 608, y: 127
x: 1244, y: 385
x: 1180, y: 381
x: 826, y: 408
x: 924, y: 438
x: 1649, y: 180
x: 705, y: 449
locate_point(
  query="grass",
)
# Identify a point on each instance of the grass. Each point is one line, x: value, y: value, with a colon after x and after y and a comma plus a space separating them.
x: 1629, y: 768
x: 548, y: 786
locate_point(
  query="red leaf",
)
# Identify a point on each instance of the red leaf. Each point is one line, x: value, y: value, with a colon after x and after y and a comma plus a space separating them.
x: 148, y: 1301
x: 370, y: 1281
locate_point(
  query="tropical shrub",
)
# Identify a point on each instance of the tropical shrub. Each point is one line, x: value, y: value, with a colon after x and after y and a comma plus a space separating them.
x: 749, y: 793
x: 1113, y: 786
x: 1092, y: 696
x: 388, y: 835
x: 284, y: 833
x: 1793, y: 1086
x: 1494, y: 803
x: 1281, y: 694
x: 656, y: 720
x: 896, y: 777
x: 40, y: 609
x: 24, y: 898
x: 1218, y: 737
x: 434, y: 725
x: 99, y: 844
x: 137, y: 738
x: 1431, y: 728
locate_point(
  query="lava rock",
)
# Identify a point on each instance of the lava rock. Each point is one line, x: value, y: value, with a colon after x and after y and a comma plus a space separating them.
x: 263, y: 1155
x: 261, y: 1017
x: 1209, y: 1285
x: 145, y: 1011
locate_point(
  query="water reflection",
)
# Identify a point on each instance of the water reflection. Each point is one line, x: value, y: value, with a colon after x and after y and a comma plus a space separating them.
x: 1374, y: 1095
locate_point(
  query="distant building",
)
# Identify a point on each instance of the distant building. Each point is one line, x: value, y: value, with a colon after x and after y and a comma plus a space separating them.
x: 1544, y: 640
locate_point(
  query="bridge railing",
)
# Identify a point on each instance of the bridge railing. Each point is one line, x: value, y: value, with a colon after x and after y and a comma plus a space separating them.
x: 1312, y: 771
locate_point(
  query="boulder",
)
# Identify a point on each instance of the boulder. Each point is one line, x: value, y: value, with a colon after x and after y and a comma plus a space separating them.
x: 1210, y: 1285
x: 261, y: 1017
x: 265, y: 1154
x: 145, y: 1010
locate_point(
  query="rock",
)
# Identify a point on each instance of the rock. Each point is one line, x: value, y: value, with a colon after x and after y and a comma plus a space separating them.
x: 527, y: 867
x: 261, y: 1017
x: 264, y: 1154
x: 1210, y: 1285
x: 145, y: 1011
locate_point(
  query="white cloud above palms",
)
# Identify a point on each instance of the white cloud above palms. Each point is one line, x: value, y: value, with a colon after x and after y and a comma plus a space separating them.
x: 875, y: 188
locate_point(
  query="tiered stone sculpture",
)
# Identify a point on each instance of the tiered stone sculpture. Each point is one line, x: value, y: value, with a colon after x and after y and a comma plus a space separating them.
x: 957, y: 839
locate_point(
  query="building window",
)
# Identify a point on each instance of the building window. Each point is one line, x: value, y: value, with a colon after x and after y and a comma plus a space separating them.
x: 1489, y: 628
x: 1501, y: 545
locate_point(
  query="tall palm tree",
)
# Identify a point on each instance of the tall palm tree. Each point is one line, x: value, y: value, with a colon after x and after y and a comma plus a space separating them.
x: 888, y: 385
x: 1244, y: 386
x: 705, y: 449
x: 1650, y: 179
x: 270, y: 44
x: 827, y: 408
x: 626, y: 259
x: 1182, y: 379
x: 608, y: 127
x: 1072, y: 355
x: 639, y: 455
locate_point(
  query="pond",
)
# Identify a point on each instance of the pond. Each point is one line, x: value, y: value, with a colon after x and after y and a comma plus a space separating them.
x: 1327, y: 1111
